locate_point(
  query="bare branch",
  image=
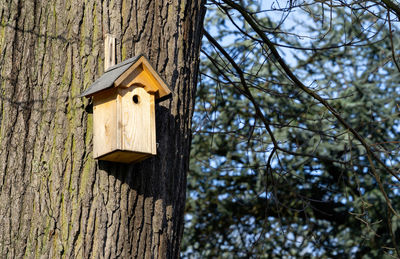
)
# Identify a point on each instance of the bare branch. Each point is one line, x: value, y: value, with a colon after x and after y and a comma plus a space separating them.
x: 307, y: 90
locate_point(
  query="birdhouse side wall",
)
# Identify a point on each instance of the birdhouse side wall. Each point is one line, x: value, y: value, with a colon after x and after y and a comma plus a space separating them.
x: 105, y: 135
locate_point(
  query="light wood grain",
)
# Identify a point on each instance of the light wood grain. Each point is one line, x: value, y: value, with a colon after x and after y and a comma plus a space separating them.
x: 104, y: 122
x: 163, y: 89
x: 122, y: 80
x: 140, y: 76
x: 125, y: 131
x: 137, y: 121
x: 121, y: 125
x: 109, y: 51
x: 143, y: 71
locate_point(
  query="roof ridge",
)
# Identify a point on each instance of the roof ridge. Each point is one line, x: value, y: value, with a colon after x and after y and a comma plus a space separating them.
x: 110, y: 75
x: 126, y: 61
x: 113, y: 73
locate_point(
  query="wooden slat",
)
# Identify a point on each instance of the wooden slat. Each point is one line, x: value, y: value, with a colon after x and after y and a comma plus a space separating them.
x: 104, y: 122
x: 138, y: 121
x: 153, y: 146
x: 140, y: 76
x: 155, y: 83
x: 124, y: 157
x: 109, y: 51
x: 127, y: 74
x: 163, y: 89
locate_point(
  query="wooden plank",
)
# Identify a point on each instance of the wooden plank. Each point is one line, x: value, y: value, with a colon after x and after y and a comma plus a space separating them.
x: 151, y: 85
x: 124, y: 157
x: 109, y: 51
x: 119, y: 120
x: 153, y: 125
x: 138, y: 120
x: 141, y: 77
x: 122, y: 79
x: 155, y: 83
x: 104, y: 122
x: 163, y: 89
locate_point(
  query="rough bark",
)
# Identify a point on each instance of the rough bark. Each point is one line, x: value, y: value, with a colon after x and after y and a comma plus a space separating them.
x: 55, y: 200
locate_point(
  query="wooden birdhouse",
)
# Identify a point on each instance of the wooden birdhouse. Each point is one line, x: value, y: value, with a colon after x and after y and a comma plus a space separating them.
x: 123, y: 111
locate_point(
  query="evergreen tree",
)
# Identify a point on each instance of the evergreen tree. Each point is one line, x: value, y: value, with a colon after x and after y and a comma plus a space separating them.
x: 274, y: 172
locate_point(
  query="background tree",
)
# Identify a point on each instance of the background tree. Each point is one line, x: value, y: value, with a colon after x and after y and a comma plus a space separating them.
x: 56, y: 202
x: 295, y: 151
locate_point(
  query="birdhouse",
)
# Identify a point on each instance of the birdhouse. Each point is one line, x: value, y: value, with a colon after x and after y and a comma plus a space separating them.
x: 123, y: 111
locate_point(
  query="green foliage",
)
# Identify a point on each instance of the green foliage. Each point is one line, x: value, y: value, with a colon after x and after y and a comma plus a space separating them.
x: 315, y: 196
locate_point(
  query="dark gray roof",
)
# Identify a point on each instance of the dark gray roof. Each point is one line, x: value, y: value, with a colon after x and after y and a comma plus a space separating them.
x: 108, y: 78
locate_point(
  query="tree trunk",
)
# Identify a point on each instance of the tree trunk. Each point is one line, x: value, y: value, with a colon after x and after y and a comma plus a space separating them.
x: 55, y: 200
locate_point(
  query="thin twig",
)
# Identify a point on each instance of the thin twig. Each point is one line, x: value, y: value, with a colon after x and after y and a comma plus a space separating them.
x: 307, y: 90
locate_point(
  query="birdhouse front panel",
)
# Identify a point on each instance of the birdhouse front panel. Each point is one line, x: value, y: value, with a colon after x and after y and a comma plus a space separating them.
x: 124, y: 111
x: 137, y: 120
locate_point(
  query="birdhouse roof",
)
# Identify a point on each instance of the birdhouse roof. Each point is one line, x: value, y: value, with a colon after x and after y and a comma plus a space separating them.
x: 121, y: 70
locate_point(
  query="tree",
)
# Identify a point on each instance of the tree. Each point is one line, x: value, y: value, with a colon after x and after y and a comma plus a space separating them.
x: 56, y: 202
x: 295, y: 151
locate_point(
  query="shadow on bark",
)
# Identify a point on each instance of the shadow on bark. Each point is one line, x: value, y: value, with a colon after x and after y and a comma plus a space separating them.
x: 144, y: 177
